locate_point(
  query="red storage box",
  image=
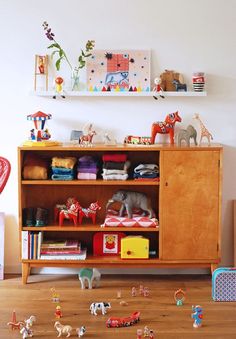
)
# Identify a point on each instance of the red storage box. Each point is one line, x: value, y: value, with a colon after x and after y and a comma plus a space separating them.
x: 107, y: 243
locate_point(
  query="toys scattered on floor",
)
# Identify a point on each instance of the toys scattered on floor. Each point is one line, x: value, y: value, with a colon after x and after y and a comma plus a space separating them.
x: 89, y: 277
x: 123, y: 322
x: 197, y: 315
x: 118, y: 296
x: 143, y: 291
x: 55, y: 295
x: 81, y: 331
x: 15, y: 325
x: 62, y: 329
x: 58, y: 312
x: 123, y: 303
x: 99, y: 306
x: 179, y: 297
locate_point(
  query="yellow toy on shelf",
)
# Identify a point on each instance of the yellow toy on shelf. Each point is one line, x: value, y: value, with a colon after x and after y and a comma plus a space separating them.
x: 134, y: 247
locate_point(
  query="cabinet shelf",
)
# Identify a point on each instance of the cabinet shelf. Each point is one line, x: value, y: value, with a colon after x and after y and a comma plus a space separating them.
x: 118, y: 94
x: 92, y: 182
x: 90, y: 228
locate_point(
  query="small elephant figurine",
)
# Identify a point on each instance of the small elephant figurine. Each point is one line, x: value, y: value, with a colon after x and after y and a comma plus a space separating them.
x: 88, y: 276
x: 130, y: 200
x: 187, y: 134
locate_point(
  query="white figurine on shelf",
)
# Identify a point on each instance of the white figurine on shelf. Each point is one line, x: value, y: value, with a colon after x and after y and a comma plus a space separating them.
x: 109, y: 140
x: 158, y: 89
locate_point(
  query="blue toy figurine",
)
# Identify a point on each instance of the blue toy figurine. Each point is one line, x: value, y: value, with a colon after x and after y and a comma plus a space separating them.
x: 197, y: 316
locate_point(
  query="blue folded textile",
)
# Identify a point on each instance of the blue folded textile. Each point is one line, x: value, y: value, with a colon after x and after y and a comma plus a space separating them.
x: 62, y: 170
x: 62, y: 177
x: 147, y: 175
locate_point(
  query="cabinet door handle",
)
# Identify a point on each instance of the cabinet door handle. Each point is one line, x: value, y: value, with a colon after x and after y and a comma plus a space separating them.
x: 166, y: 184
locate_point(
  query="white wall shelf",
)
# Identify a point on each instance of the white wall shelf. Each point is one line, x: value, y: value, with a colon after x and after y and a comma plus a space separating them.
x: 117, y: 94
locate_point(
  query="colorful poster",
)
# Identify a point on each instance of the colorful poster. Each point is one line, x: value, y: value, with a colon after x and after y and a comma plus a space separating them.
x: 119, y: 71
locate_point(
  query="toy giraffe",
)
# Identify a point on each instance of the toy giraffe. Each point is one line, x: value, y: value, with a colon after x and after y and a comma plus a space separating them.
x: 204, y: 130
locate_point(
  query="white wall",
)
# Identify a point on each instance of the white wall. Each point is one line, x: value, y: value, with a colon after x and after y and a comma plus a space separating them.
x: 185, y: 35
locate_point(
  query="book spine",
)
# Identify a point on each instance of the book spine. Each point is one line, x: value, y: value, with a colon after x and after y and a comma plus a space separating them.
x: 24, y: 245
x: 39, y: 244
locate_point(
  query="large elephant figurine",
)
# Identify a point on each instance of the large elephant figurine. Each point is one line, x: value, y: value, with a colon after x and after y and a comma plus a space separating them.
x: 87, y: 276
x: 130, y: 200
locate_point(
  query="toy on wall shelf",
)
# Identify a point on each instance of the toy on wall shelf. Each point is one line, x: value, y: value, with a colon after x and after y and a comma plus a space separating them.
x: 179, y: 297
x: 71, y: 212
x: 87, y: 138
x: 167, y: 79
x: 165, y: 127
x: 41, y: 69
x: 179, y: 86
x: 58, y: 312
x: 99, y: 306
x: 204, y: 131
x: 197, y: 315
x: 158, y: 89
x: 89, y: 212
x: 81, y: 331
x: 123, y: 322
x: 186, y: 135
x: 38, y: 135
x: 63, y: 329
x: 59, y: 81
x: 89, y: 277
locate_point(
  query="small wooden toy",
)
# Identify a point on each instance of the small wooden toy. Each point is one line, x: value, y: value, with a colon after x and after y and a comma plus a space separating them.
x: 137, y: 140
x: 63, y: 329
x: 81, y: 331
x: 146, y: 291
x: 15, y: 325
x: 134, y: 292
x: 41, y: 69
x: 123, y: 303
x: 123, y: 322
x: 204, y: 131
x: 118, y: 296
x: 165, y: 127
x: 197, y: 315
x: 101, y: 306
x: 186, y: 135
x: 146, y: 332
x: 89, y: 212
x: 55, y: 295
x: 134, y: 247
x: 26, y: 332
x: 139, y: 333
x: 158, y: 89
x: 89, y: 276
x: 58, y: 313
x: 141, y: 289
x: 87, y: 138
x: 59, y: 87
x: 179, y: 297
x: 179, y: 86
x: 72, y: 211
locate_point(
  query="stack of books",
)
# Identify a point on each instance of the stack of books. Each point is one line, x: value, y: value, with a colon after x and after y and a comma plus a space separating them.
x: 62, y: 250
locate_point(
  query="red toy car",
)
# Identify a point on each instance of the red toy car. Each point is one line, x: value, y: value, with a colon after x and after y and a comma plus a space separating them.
x: 123, y: 322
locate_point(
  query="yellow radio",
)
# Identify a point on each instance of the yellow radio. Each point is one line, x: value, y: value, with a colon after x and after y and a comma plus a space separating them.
x: 134, y: 247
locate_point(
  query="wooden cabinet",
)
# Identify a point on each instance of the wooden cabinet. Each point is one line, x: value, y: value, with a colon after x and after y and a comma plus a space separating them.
x: 186, y: 201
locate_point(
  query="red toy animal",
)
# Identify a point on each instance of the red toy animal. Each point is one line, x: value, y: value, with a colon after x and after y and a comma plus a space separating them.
x: 71, y: 213
x: 165, y: 127
x: 89, y: 212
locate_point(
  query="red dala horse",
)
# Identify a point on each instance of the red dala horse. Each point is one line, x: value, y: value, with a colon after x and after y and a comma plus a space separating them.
x: 165, y: 127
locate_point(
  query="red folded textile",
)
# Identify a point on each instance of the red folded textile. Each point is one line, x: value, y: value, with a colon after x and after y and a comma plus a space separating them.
x: 116, y: 157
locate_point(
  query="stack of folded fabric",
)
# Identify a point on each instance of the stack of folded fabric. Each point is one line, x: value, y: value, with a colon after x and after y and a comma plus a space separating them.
x: 63, y: 168
x: 87, y: 168
x: 115, y: 166
x: 146, y: 172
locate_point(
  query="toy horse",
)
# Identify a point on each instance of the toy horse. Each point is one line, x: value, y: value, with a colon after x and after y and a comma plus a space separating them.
x: 166, y: 127
x: 89, y: 212
x: 71, y: 212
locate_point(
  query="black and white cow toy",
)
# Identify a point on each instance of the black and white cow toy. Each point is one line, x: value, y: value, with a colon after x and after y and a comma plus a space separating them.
x: 99, y: 306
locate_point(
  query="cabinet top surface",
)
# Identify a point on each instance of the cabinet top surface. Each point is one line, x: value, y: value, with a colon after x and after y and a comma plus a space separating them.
x: 119, y: 147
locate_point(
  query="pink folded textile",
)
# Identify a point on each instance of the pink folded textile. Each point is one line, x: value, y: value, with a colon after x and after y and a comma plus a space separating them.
x: 114, y: 157
x: 86, y: 176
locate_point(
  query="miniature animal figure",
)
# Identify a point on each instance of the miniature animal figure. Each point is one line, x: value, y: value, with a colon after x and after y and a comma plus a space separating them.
x: 63, y: 329
x: 130, y: 200
x: 89, y: 277
x: 87, y: 138
x: 89, y: 212
x: 29, y: 322
x: 186, y: 135
x: 166, y: 127
x: 197, y: 315
x: 15, y: 325
x: 99, y: 306
x: 158, y: 89
x: 204, y: 131
x: 81, y: 331
x: 26, y: 332
x: 179, y: 86
x: 108, y: 140
x: 72, y: 211
x: 146, y: 332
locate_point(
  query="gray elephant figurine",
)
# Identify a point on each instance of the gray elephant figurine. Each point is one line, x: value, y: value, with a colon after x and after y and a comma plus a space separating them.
x: 186, y: 135
x: 88, y: 276
x: 130, y: 200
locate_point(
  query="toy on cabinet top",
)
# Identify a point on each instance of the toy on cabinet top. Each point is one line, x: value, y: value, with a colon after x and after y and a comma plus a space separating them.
x: 136, y: 140
x: 179, y: 297
x: 167, y: 79
x: 62, y: 329
x: 165, y: 127
x: 99, y: 306
x: 89, y: 212
x: 158, y: 89
x: 130, y: 200
x: 87, y: 138
x: 89, y: 277
x: 108, y: 140
x: 186, y: 135
x: 204, y: 131
x: 41, y: 69
x: 197, y: 315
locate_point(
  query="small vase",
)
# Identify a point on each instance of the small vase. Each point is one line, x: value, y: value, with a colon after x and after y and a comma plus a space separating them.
x: 75, y: 81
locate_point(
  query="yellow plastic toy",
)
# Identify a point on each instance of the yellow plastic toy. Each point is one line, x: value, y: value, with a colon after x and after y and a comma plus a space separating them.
x: 134, y: 247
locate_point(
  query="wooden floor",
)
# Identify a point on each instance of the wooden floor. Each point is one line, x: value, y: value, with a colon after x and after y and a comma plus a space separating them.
x: 158, y: 311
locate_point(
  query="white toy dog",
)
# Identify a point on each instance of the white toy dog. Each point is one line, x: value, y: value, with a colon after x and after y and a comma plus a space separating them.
x: 81, y: 331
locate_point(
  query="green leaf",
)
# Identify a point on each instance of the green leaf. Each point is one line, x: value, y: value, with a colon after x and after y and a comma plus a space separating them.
x: 88, y: 55
x: 61, y: 53
x: 54, y: 52
x: 58, y: 64
x: 55, y: 45
x: 82, y: 52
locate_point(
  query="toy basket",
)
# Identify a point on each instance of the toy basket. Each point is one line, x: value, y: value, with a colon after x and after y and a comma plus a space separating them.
x: 224, y: 284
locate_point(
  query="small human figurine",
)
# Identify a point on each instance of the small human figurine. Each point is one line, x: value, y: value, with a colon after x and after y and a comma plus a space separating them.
x: 55, y: 295
x: 158, y: 89
x: 146, y: 332
x: 179, y: 297
x: 41, y: 65
x: 58, y: 313
x: 197, y: 315
x: 151, y: 334
x: 141, y: 289
x: 146, y: 291
x: 59, y: 87
x: 139, y: 333
x: 134, y: 292
x: 32, y: 134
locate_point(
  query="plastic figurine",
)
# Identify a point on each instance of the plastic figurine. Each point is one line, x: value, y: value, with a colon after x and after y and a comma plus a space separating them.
x: 139, y: 333
x: 141, y: 289
x: 26, y: 332
x: 89, y: 212
x: 29, y: 322
x: 87, y: 138
x: 58, y: 313
x: 15, y: 325
x: 123, y: 303
x: 62, y: 329
x: 124, y: 321
x: 165, y: 127
x: 88, y: 276
x: 118, y: 296
x: 204, y: 131
x: 151, y: 334
x: 81, y: 331
x: 197, y: 315
x: 55, y: 295
x: 179, y: 297
x: 102, y: 306
x: 146, y: 332
x: 134, y: 292
x: 158, y: 89
x: 146, y: 292
x: 59, y: 87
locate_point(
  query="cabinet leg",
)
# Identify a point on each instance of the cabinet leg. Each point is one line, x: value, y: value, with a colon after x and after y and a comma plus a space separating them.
x: 213, y: 267
x: 25, y: 272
